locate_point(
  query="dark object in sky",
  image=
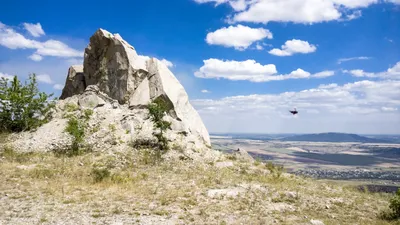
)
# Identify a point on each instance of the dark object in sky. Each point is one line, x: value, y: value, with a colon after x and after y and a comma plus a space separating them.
x: 294, y: 112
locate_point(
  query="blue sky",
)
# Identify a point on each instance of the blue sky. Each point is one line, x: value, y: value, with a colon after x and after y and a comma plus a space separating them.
x: 244, y: 63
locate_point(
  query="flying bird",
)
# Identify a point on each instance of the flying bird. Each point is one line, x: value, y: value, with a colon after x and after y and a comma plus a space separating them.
x: 294, y: 112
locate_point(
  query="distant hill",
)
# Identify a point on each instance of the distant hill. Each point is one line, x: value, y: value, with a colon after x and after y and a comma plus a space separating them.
x: 334, y: 137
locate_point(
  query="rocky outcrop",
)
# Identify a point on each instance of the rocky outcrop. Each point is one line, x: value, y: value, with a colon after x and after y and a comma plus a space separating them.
x: 117, y: 84
x: 75, y: 83
x: 113, y: 65
x: 118, y: 71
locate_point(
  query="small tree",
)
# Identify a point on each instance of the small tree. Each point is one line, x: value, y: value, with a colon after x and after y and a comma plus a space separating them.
x: 395, y: 205
x: 23, y: 107
x: 157, y: 110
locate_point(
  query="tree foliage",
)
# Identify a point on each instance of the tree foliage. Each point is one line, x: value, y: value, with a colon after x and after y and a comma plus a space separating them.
x: 395, y: 205
x: 157, y: 110
x: 22, y: 106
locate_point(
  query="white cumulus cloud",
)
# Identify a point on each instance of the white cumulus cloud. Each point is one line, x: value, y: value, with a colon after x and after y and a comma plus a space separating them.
x: 11, y: 39
x: 292, y: 47
x: 35, y: 30
x: 7, y: 76
x: 305, y: 11
x: 44, y: 78
x: 58, y: 86
x: 250, y: 70
x: 259, y: 47
x: 364, y: 106
x: 36, y: 57
x: 239, y: 37
x: 324, y: 74
x: 205, y: 91
x: 167, y: 63
x: 391, y: 73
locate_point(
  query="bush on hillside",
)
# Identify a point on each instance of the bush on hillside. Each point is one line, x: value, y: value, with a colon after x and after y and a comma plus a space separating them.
x: 157, y: 110
x: 394, y: 208
x: 395, y: 205
x: 22, y: 106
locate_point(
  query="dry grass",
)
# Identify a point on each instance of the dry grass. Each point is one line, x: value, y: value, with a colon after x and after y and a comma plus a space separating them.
x: 46, y: 189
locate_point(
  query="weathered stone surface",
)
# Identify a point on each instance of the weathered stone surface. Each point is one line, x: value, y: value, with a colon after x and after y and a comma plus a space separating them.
x: 164, y: 83
x: 141, y: 97
x: 113, y: 65
x: 75, y: 83
x: 91, y: 101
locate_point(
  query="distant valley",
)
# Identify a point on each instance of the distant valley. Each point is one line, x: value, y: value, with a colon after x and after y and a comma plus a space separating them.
x: 320, y: 137
x: 334, y: 137
x: 336, y: 156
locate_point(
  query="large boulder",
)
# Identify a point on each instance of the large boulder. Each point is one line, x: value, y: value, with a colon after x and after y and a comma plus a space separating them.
x: 117, y: 84
x: 113, y: 65
x: 164, y: 84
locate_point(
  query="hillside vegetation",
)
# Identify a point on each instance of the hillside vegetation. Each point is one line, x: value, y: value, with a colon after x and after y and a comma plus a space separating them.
x: 138, y: 188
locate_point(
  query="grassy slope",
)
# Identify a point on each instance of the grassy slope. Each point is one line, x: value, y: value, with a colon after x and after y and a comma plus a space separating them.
x: 43, y: 188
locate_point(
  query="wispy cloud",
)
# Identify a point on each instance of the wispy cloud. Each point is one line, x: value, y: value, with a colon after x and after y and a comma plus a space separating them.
x: 44, y: 78
x: 58, y: 86
x: 35, y: 30
x: 342, y: 60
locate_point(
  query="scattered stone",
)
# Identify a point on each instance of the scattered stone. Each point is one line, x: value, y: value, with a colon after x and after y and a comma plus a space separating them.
x: 224, y: 164
x: 243, y: 155
x: 316, y: 222
x: 218, y: 193
x: 24, y: 167
x: 91, y: 101
x: 291, y: 195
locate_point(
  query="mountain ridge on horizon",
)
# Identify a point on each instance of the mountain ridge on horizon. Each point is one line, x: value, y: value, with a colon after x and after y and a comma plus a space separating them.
x: 318, y: 137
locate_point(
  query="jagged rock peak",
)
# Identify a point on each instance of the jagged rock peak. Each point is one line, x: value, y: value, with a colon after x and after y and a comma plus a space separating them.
x: 113, y: 65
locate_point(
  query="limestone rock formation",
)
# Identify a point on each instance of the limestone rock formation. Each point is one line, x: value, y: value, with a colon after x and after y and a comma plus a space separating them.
x: 117, y: 84
x: 75, y: 83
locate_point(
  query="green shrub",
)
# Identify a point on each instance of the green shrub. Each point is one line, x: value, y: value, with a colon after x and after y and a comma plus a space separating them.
x: 23, y: 107
x: 112, y: 127
x: 100, y: 174
x: 76, y: 129
x: 157, y: 110
x: 395, y: 205
x: 276, y: 170
x: 87, y: 114
x: 71, y: 107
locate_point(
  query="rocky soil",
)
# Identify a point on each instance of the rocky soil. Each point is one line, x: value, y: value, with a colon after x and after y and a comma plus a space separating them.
x: 136, y: 188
